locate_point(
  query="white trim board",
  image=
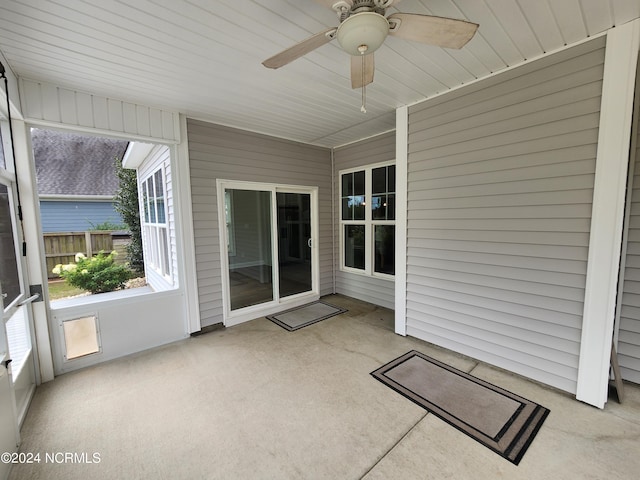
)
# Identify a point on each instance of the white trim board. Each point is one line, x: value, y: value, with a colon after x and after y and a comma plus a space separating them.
x: 402, y: 154
x: 605, y: 238
x: 627, y: 215
x: 185, y: 240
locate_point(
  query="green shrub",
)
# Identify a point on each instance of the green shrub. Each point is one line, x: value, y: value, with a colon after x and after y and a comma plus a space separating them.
x: 127, y: 205
x: 97, y: 274
x: 107, y: 225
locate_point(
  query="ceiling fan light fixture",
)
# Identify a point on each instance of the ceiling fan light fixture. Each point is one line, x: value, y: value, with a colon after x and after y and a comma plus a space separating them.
x: 365, y: 29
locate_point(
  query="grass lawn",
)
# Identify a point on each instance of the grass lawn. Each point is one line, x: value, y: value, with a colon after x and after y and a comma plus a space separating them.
x: 61, y: 289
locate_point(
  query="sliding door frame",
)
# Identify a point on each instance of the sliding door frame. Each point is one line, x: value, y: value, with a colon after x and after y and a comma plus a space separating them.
x: 234, y: 317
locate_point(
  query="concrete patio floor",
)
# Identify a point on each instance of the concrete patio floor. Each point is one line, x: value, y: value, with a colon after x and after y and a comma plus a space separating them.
x: 257, y: 402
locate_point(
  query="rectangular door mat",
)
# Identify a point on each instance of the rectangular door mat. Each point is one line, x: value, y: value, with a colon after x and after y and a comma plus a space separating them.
x: 502, y: 421
x: 300, y: 317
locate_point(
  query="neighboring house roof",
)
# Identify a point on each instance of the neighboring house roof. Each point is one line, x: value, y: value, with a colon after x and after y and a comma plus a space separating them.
x: 72, y: 164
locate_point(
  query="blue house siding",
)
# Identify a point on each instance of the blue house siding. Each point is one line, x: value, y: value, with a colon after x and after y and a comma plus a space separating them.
x: 70, y: 216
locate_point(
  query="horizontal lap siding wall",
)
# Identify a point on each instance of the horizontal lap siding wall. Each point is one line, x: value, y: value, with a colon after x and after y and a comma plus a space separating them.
x: 381, y: 148
x: 76, y: 216
x: 500, y: 190
x: 629, y: 331
x: 217, y: 152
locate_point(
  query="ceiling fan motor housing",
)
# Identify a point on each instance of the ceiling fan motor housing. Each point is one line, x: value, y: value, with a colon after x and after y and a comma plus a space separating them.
x: 362, y: 33
x: 377, y: 6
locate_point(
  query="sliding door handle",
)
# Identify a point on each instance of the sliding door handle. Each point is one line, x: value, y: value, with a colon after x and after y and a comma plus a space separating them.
x: 309, y: 243
x: 7, y: 363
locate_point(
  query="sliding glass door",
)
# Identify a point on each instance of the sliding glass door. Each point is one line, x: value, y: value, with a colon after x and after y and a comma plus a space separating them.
x: 268, y: 232
x: 294, y: 243
x: 250, y: 273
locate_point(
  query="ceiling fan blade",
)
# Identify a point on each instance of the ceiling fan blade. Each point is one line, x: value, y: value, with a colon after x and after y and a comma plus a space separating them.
x: 300, y: 49
x: 439, y: 31
x: 358, y: 64
x: 331, y: 3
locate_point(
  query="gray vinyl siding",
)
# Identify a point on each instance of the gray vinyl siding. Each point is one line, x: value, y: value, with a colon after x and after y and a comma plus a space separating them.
x: 218, y: 152
x: 629, y: 331
x: 376, y: 290
x: 500, y: 188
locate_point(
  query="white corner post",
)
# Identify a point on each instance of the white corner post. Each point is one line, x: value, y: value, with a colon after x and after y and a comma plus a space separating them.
x: 187, y: 246
x: 402, y: 147
x: 612, y: 159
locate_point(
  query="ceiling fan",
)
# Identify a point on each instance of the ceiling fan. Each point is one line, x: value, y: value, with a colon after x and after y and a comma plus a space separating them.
x: 364, y: 27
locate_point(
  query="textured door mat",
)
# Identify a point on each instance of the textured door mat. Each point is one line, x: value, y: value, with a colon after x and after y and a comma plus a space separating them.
x: 502, y: 421
x: 308, y: 314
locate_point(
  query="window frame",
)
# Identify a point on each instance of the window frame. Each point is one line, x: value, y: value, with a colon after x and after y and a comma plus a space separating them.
x: 231, y: 233
x: 368, y: 222
x: 158, y: 255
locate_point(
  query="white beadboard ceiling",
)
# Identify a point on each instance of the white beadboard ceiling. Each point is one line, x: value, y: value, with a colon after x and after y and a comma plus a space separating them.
x: 203, y: 57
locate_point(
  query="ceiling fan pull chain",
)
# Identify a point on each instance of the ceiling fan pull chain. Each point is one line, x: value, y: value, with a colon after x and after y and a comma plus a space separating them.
x: 362, y: 49
x: 363, y: 108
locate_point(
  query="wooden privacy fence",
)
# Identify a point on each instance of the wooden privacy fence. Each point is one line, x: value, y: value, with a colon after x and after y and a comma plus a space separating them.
x: 62, y: 247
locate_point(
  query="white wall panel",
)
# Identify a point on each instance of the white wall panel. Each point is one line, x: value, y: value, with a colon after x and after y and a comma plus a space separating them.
x: 128, y: 324
x: 44, y: 102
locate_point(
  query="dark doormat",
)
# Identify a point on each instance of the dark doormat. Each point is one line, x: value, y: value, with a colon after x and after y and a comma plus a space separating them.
x: 502, y: 421
x: 299, y: 317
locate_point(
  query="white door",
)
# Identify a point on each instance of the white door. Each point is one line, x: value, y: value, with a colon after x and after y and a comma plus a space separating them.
x: 9, y: 438
x: 16, y: 309
x: 16, y: 322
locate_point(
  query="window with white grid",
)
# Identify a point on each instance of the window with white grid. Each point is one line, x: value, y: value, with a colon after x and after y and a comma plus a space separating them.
x: 154, y: 223
x: 367, y: 219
